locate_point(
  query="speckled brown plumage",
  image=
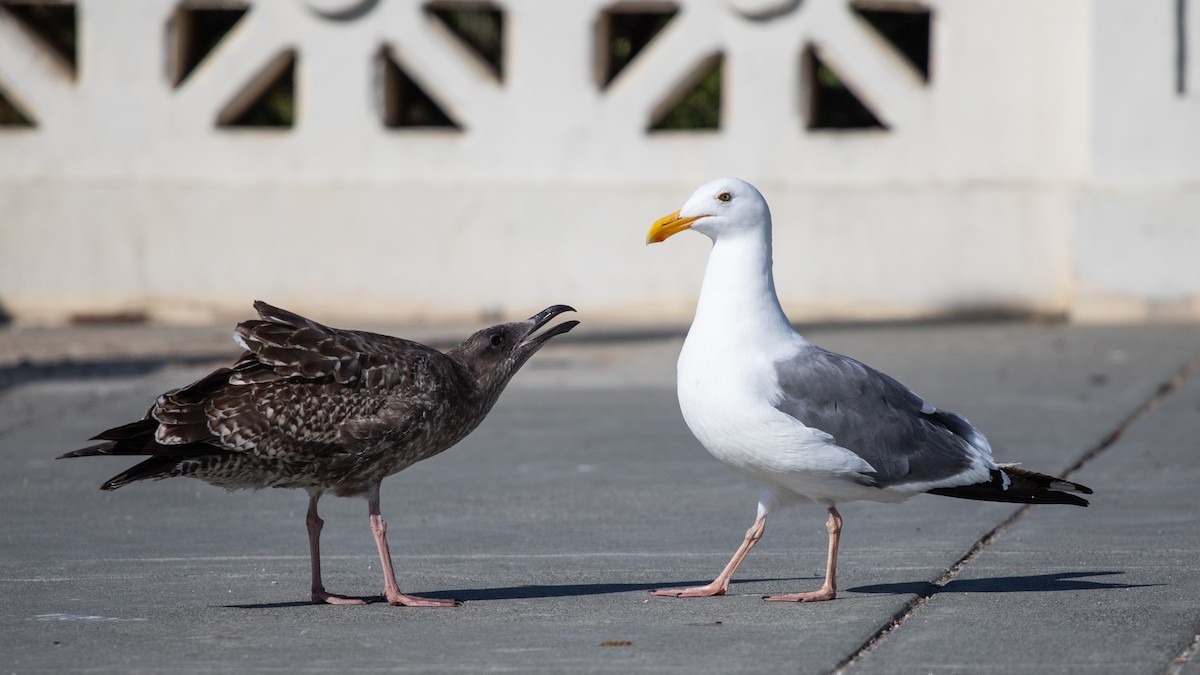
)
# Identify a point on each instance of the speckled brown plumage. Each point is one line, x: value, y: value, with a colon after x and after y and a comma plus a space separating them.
x: 325, y: 410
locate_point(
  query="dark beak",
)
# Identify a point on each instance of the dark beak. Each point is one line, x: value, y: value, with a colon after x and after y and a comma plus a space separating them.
x: 541, y: 319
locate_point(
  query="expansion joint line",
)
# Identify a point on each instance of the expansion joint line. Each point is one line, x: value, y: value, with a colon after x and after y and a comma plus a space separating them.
x: 1188, y: 653
x: 912, y: 606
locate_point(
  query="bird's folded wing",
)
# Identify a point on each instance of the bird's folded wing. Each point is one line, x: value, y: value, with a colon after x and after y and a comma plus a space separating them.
x: 303, y: 388
x: 910, y: 443
x: 285, y: 345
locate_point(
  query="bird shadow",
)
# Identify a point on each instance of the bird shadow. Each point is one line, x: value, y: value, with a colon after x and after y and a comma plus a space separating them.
x: 283, y: 605
x: 1036, y: 583
x: 568, y: 590
x: 521, y: 592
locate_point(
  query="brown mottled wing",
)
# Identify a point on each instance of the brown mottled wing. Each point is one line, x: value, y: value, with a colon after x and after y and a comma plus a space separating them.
x: 303, y: 390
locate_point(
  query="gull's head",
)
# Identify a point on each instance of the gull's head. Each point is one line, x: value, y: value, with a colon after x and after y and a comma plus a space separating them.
x: 493, y: 355
x: 723, y: 207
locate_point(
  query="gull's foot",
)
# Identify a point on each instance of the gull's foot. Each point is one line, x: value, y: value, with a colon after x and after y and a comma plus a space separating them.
x: 692, y: 592
x: 402, y: 600
x: 323, y: 598
x: 812, y: 596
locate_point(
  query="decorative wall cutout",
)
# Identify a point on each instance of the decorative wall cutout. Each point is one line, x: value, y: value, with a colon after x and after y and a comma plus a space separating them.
x: 11, y: 115
x: 907, y: 27
x: 622, y: 32
x: 479, y: 26
x: 268, y: 100
x: 1181, y: 46
x: 405, y: 104
x: 696, y: 104
x: 194, y: 32
x: 831, y: 103
x: 52, y: 24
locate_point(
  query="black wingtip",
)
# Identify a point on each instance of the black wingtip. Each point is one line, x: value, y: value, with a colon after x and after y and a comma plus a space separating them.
x: 272, y: 314
x: 985, y: 492
x: 265, y: 310
x: 1055, y: 497
x: 1015, y: 485
x: 90, y: 451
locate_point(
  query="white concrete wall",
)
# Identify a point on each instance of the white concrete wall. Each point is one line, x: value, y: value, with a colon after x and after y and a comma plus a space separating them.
x: 1137, y: 242
x: 1049, y: 166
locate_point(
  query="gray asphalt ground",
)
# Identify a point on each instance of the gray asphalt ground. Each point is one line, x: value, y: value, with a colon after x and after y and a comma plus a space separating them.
x: 584, y: 490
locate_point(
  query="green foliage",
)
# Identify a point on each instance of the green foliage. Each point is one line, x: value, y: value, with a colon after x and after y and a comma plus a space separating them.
x: 827, y: 78
x: 481, y: 29
x: 277, y: 105
x: 700, y: 108
x: 630, y: 32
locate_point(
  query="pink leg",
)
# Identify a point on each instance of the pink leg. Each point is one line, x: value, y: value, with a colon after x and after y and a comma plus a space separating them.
x: 828, y: 590
x: 390, y: 589
x: 721, y: 583
x: 314, y: 551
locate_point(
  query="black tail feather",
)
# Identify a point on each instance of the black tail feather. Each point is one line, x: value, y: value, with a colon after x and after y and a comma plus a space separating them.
x: 1023, y: 487
x: 137, y: 438
x: 139, y: 429
x: 90, y: 451
x: 155, y: 467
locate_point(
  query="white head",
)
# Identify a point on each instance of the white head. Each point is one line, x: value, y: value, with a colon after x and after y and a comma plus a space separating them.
x: 723, y: 207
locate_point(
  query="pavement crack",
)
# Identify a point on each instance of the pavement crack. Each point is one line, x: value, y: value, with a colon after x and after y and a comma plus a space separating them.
x: 910, y: 608
x: 1164, y: 390
x: 1188, y: 653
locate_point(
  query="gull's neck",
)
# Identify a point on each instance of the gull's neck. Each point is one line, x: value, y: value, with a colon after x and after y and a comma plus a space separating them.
x: 737, y: 298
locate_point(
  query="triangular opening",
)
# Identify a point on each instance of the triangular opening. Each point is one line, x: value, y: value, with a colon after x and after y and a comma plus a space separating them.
x: 52, y: 23
x: 194, y: 33
x: 479, y: 26
x: 623, y: 34
x: 908, y: 29
x: 269, y: 100
x: 696, y: 104
x: 405, y: 104
x: 11, y: 115
x: 832, y: 105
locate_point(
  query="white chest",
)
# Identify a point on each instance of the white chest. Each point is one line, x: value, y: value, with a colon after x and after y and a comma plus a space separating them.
x: 728, y: 401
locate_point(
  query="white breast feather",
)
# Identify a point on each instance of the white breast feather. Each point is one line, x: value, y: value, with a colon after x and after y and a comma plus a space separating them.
x: 727, y: 404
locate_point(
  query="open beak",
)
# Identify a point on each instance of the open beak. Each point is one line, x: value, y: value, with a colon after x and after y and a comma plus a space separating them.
x: 541, y: 319
x: 669, y: 225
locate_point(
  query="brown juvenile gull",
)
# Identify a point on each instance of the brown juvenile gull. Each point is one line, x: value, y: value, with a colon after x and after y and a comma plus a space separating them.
x: 808, y: 424
x: 323, y: 409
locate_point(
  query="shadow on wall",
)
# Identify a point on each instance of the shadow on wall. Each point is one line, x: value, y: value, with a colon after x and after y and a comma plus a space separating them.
x: 90, y: 369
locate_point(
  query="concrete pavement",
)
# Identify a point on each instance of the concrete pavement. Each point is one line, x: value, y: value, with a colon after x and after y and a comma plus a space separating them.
x: 584, y: 490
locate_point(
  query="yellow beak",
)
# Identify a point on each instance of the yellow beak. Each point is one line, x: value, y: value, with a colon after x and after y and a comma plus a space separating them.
x: 669, y: 225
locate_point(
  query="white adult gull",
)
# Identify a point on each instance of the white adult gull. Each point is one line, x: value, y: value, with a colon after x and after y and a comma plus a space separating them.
x: 808, y: 424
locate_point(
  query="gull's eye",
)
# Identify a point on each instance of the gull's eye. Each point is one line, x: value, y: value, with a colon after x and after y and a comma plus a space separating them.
x: 724, y: 197
x: 497, y: 339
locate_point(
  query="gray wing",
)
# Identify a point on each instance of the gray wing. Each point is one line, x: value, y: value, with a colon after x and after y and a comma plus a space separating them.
x: 904, y: 438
